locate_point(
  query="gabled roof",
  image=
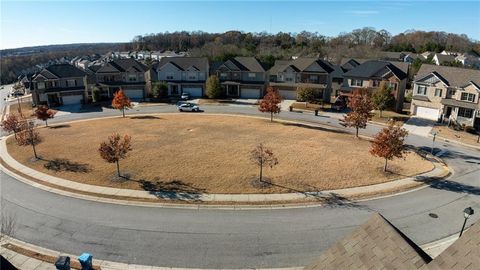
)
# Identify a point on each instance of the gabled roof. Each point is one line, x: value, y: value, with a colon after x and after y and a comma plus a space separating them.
x: 350, y: 64
x: 61, y: 71
x: 301, y: 64
x: 183, y: 63
x: 454, y: 76
x: 122, y: 65
x: 250, y: 64
x: 377, y: 244
x: 372, y: 67
x: 444, y: 58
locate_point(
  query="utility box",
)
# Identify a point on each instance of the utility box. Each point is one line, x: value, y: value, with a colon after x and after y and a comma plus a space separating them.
x: 86, y: 261
x: 63, y: 263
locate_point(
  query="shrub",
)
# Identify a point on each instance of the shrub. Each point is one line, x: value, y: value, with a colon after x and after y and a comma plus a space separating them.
x: 305, y: 94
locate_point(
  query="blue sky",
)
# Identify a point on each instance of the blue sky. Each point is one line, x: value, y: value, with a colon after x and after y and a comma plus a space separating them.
x: 59, y: 22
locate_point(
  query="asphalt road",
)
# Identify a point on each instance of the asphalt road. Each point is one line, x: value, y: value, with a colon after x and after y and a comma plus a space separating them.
x: 235, y: 239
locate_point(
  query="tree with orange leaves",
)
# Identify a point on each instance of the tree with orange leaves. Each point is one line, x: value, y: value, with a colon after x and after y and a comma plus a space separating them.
x: 389, y: 143
x: 361, y: 106
x: 121, y: 101
x: 44, y: 113
x: 115, y: 149
x: 271, y: 102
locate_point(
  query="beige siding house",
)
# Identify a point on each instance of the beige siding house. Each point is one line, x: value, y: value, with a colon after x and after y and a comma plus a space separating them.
x: 447, y: 94
x: 288, y: 76
x: 371, y: 74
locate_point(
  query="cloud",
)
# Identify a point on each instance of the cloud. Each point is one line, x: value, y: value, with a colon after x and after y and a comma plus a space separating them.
x: 362, y: 12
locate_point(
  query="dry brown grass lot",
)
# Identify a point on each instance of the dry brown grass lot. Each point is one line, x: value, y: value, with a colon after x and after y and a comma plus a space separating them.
x: 27, y: 109
x: 209, y: 153
x: 461, y: 136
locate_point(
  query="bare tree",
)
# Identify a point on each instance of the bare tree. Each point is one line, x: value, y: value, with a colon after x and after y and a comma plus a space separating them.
x: 263, y: 156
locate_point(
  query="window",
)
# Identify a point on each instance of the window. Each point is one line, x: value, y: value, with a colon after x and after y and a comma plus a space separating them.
x: 438, y: 92
x: 451, y: 92
x: 41, y: 85
x: 223, y: 75
x: 169, y: 76
x: 132, y: 77
x: 421, y: 90
x: 71, y: 83
x: 191, y: 76
x: 313, y: 78
x: 468, y: 97
x: 252, y: 75
x: 375, y: 83
x: 392, y: 86
x: 464, y: 112
x: 289, y: 79
x: 356, y: 82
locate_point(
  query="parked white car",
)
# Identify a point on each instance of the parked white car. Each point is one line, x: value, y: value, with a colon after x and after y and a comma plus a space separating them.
x: 188, y: 107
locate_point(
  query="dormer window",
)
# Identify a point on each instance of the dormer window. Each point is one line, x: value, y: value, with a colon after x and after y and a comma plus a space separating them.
x: 169, y: 76
x: 252, y: 75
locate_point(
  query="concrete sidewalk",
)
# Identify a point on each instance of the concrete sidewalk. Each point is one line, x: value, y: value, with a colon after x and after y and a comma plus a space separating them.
x: 439, y: 170
x: 26, y: 263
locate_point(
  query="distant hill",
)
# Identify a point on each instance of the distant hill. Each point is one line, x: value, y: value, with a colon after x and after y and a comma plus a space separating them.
x: 78, y: 47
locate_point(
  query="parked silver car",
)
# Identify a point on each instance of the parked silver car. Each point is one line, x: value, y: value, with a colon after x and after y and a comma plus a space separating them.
x: 188, y: 107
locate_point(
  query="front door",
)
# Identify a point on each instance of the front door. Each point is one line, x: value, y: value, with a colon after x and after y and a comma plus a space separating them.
x: 174, y: 90
x: 232, y: 90
x: 53, y: 100
x: 448, y: 112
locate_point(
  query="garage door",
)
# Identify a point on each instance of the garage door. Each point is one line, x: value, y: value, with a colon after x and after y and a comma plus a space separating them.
x: 250, y: 93
x: 193, y: 91
x: 70, y: 100
x: 288, y: 94
x: 427, y: 113
x: 134, y: 93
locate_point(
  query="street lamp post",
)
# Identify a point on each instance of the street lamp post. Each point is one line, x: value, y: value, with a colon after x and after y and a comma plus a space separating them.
x: 466, y: 213
x: 433, y: 142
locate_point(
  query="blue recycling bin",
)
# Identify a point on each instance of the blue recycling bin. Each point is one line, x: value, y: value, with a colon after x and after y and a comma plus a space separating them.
x: 86, y: 261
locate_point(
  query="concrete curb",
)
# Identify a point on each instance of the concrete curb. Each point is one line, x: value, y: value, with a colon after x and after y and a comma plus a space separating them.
x: 106, y: 265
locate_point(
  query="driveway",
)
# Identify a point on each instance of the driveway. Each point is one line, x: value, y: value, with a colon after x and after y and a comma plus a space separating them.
x: 286, y: 103
x: 419, y: 126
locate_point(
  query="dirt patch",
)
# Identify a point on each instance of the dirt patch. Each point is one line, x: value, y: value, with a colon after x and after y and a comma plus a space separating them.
x: 211, y: 154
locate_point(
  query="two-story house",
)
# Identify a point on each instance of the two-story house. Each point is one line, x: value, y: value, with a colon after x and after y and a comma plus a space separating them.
x: 371, y: 74
x: 183, y: 75
x: 287, y: 76
x: 241, y: 77
x: 59, y: 84
x: 126, y: 74
x: 447, y: 94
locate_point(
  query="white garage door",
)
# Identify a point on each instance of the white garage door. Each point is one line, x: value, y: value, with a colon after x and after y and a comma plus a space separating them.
x: 288, y: 94
x: 250, y: 93
x: 70, y: 100
x: 193, y: 91
x: 427, y: 113
x: 134, y: 93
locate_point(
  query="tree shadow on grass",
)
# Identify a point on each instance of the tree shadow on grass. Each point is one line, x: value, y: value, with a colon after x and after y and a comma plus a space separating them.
x: 314, y: 128
x: 145, y: 117
x: 59, y: 165
x: 172, y: 190
x: 59, y: 126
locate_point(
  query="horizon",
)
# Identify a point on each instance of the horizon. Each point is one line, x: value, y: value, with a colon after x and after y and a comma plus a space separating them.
x: 77, y: 22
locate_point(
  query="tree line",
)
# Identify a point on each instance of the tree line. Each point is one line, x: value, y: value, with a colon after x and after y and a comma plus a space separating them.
x: 364, y: 42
